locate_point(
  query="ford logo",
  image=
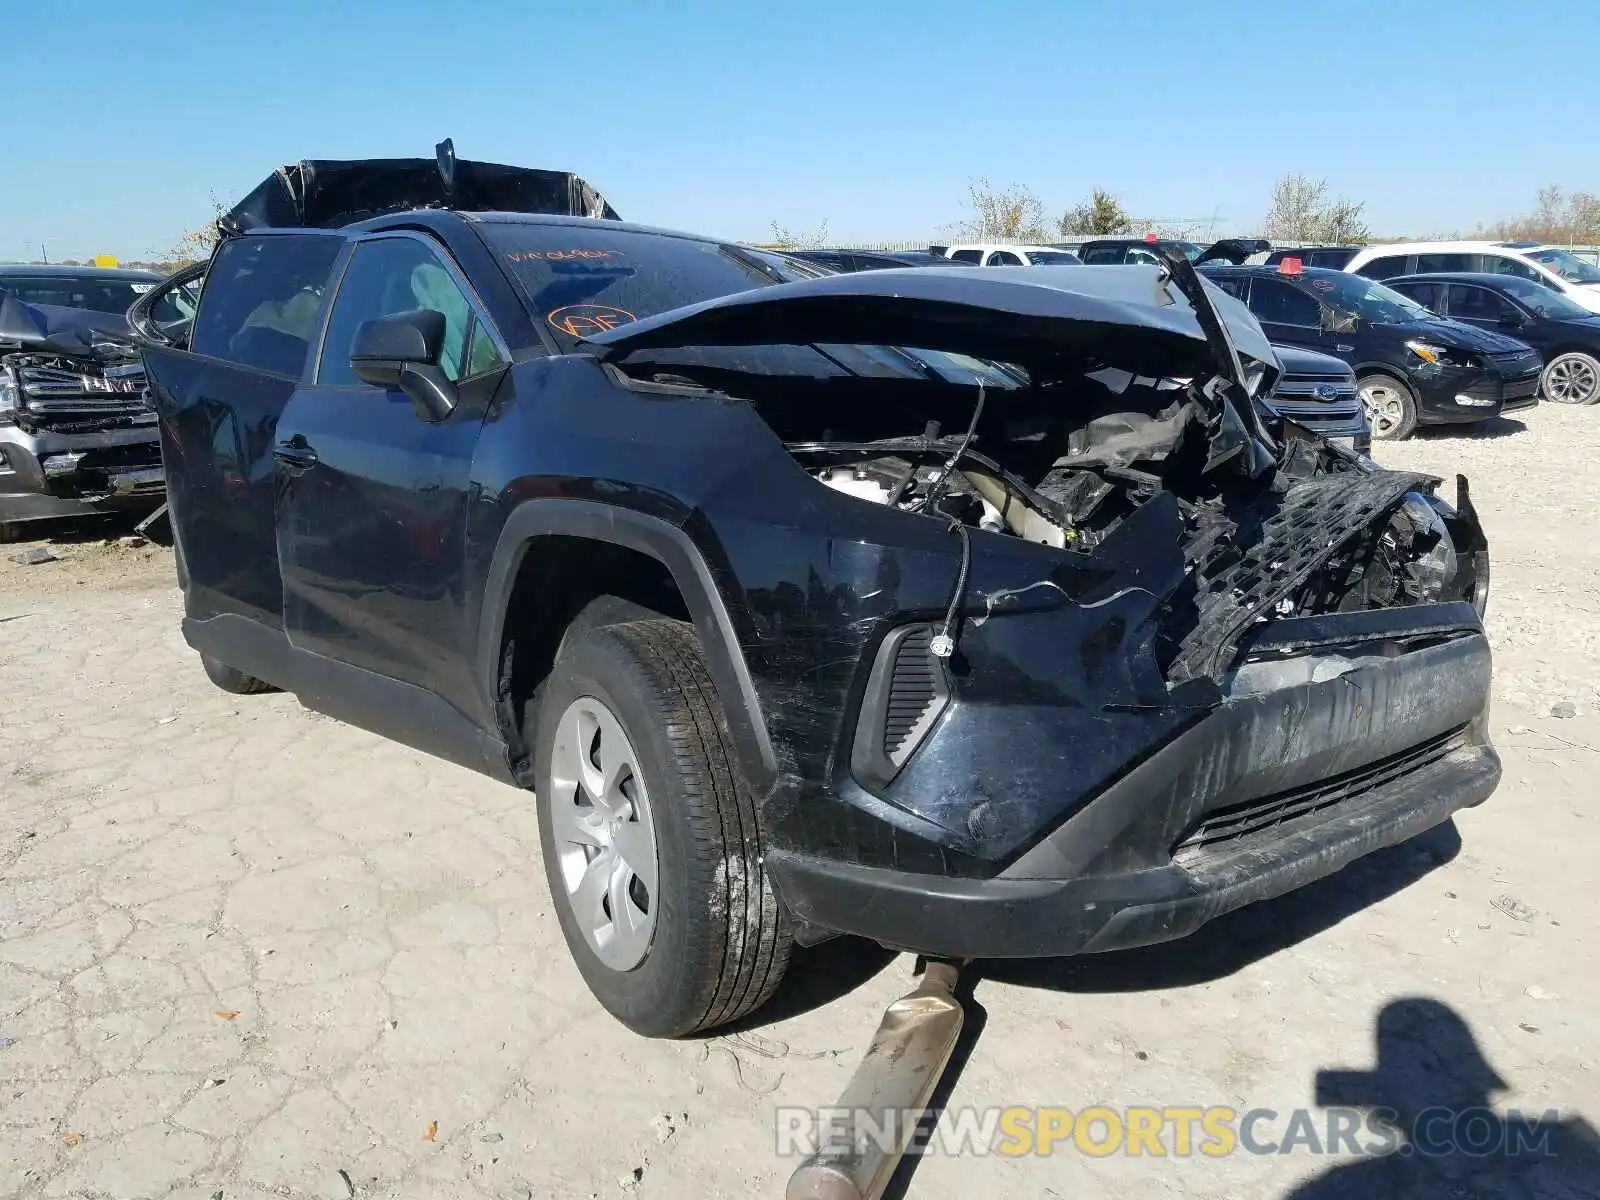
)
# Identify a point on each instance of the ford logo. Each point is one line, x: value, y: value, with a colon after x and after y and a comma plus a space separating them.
x: 1326, y: 391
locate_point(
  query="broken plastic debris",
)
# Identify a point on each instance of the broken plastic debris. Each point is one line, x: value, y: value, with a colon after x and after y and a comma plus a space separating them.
x: 1513, y: 908
x: 227, y: 1014
x: 72, y: 1139
x: 433, y: 1131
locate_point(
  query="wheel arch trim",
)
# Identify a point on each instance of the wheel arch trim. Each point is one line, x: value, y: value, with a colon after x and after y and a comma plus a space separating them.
x: 685, y: 562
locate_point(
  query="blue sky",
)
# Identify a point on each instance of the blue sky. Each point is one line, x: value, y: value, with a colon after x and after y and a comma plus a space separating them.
x: 124, y: 118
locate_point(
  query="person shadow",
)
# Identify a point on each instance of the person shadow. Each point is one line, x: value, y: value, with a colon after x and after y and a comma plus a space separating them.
x: 1429, y: 1129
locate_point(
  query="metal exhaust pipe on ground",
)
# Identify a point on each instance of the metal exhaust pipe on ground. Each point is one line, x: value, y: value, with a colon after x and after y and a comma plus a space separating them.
x: 897, y: 1077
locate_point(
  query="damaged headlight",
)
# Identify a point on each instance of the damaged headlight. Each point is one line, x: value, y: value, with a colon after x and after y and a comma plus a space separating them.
x: 1433, y: 563
x: 1436, y: 355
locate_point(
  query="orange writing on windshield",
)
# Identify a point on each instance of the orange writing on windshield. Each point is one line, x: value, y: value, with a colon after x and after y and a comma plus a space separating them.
x: 558, y: 255
x: 581, y: 320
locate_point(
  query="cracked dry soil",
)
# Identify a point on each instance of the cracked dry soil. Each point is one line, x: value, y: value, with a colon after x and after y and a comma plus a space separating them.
x: 248, y: 952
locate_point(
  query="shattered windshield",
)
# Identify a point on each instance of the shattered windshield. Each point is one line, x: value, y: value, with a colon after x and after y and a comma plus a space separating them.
x: 1357, y: 296
x: 1565, y: 264
x: 579, y: 280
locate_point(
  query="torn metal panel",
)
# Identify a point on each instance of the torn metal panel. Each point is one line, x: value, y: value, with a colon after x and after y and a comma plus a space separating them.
x: 328, y: 193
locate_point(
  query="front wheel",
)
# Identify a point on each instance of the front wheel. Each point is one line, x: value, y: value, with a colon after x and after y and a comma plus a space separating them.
x: 649, y: 833
x: 1572, y: 378
x: 1391, y: 408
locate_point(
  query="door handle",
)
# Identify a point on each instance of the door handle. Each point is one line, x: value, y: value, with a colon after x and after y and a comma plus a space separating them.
x: 295, y: 454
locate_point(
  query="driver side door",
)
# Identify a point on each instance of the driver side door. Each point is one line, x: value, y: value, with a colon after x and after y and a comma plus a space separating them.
x: 373, y: 493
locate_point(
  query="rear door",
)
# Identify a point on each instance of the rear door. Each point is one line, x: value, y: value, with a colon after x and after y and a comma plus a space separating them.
x: 372, y: 496
x: 220, y: 402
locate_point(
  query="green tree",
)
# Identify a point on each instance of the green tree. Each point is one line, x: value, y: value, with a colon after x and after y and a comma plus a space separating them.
x: 1100, y: 216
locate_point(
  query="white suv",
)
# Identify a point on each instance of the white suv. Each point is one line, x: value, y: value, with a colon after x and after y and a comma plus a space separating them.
x: 994, y: 254
x: 1555, y: 268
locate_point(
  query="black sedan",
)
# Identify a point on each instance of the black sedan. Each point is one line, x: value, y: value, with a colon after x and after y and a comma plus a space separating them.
x: 1412, y: 367
x: 1565, y: 334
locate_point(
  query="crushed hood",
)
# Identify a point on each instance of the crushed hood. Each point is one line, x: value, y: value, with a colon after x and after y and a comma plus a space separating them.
x: 1050, y: 322
x: 327, y: 193
x: 52, y: 329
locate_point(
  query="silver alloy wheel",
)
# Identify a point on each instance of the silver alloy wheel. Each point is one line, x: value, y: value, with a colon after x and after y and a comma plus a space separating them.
x: 1572, y: 379
x: 1386, y: 408
x: 604, y: 836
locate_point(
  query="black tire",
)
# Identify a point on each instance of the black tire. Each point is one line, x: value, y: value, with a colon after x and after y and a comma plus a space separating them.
x: 1404, y: 423
x: 231, y: 680
x: 721, y: 938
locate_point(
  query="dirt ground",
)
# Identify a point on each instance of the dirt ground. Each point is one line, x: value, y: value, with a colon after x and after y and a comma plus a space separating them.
x: 247, y: 951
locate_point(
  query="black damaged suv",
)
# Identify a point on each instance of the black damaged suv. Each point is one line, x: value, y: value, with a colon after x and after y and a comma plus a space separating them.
x: 797, y: 614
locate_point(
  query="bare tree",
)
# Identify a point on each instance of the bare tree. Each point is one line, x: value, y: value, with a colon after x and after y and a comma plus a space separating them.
x: 1009, y: 214
x: 193, y: 245
x: 1101, y: 215
x: 1303, y: 212
x: 1558, y: 216
x: 791, y: 239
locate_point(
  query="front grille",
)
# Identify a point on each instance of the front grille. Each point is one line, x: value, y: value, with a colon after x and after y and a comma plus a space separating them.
x: 1236, y: 824
x: 913, y: 691
x: 115, y: 390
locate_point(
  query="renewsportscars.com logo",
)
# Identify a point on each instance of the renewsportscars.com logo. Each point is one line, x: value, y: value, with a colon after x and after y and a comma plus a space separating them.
x: 1177, y: 1131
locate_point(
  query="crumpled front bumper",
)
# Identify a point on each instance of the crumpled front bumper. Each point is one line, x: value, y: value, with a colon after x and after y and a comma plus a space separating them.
x: 47, y: 475
x: 1339, y: 735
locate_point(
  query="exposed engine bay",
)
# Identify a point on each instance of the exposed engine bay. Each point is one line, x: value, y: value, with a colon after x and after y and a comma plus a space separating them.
x: 1320, y: 532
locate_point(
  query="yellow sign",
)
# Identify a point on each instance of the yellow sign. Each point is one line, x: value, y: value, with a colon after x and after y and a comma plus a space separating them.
x: 105, y: 260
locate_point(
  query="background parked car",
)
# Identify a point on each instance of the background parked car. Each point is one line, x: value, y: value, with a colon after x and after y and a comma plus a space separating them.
x: 988, y: 254
x: 1496, y: 258
x: 1319, y: 391
x: 1335, y: 258
x: 1566, y: 335
x: 872, y: 260
x: 1412, y: 367
x: 76, y: 435
x: 1106, y: 251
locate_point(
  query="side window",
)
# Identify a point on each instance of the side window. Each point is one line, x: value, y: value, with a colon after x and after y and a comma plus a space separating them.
x: 1103, y: 254
x: 1504, y: 264
x: 1429, y: 263
x: 1136, y: 255
x: 967, y: 256
x: 1468, y: 303
x: 1281, y: 304
x: 387, y: 276
x: 1237, y: 286
x: 1003, y: 258
x: 482, y: 354
x: 1385, y: 266
x: 261, y: 300
x: 1429, y: 295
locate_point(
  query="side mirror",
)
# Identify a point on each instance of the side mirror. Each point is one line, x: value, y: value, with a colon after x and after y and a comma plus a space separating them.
x: 402, y: 351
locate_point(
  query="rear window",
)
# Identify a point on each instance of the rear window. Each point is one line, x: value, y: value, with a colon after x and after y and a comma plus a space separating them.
x: 582, y: 280
x: 261, y: 300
